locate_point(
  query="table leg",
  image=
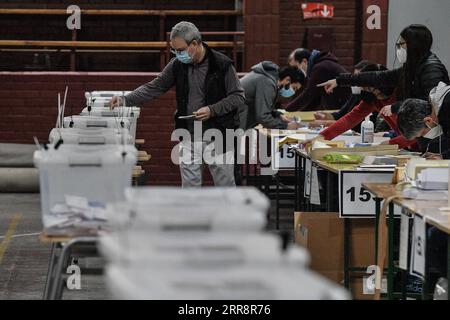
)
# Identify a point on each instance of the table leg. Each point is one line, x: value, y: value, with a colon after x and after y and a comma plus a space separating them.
x: 328, y: 197
x: 347, y: 228
x: 50, y: 270
x: 391, y: 251
x: 377, y: 218
x: 448, y: 265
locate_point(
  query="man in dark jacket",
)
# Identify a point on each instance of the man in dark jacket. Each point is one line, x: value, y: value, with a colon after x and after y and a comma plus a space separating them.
x: 317, y: 66
x: 208, y: 92
x: 262, y: 86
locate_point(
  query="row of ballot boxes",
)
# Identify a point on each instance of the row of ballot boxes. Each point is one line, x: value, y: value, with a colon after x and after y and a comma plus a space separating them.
x: 208, y: 243
x: 88, y: 163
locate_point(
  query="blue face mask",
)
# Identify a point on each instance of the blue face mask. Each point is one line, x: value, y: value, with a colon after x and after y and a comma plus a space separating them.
x: 287, y: 93
x: 184, y: 57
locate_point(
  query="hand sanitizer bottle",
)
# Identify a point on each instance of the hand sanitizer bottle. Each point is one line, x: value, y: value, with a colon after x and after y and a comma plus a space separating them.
x: 367, y: 130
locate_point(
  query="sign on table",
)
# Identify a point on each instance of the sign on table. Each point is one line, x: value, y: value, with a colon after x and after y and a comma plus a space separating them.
x: 354, y: 200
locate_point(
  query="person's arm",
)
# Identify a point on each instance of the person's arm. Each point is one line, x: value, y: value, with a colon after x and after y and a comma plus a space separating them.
x: 153, y: 89
x: 311, y: 95
x: 234, y: 95
x: 386, y: 78
x: 348, y: 121
x: 265, y: 95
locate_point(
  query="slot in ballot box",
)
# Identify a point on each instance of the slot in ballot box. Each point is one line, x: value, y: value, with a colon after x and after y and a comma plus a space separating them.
x: 91, y: 136
x: 99, y: 174
x: 130, y: 113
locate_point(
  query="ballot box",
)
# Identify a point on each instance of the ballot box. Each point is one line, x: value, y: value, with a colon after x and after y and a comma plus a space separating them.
x: 245, y: 283
x: 200, y: 250
x: 78, y: 178
x: 90, y: 136
x: 87, y: 122
x: 130, y: 113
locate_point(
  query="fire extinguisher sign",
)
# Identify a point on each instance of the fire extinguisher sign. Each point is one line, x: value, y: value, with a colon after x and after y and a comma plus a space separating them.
x: 317, y: 11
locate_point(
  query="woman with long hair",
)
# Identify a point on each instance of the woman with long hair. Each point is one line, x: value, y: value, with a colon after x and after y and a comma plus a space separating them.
x: 421, y: 70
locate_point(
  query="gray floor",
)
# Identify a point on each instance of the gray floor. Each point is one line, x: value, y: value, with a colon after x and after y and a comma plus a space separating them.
x: 23, y: 265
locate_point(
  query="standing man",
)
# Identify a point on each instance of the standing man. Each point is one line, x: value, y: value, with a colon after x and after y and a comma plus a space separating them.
x: 208, y: 90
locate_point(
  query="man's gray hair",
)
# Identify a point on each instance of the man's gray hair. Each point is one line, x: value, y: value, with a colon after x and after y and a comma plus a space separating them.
x: 410, y: 117
x: 186, y: 31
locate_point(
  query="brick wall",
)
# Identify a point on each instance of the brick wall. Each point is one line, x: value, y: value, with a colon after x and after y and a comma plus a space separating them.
x: 103, y: 28
x: 261, y: 26
x: 345, y: 23
x: 29, y: 108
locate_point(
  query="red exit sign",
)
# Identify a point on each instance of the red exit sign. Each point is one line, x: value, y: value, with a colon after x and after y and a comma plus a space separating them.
x: 317, y: 11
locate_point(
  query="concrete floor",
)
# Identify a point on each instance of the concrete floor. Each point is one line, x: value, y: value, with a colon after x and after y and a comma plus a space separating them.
x: 24, y: 259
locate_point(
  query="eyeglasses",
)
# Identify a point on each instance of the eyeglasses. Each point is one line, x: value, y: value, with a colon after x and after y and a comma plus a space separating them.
x: 399, y: 44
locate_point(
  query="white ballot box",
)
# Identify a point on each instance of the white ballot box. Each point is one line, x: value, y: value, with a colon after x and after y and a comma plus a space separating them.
x: 93, y: 175
x: 90, y: 136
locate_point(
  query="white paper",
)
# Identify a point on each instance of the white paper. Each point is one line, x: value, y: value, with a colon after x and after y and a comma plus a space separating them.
x: 419, y: 246
x: 307, y: 184
x: 77, y: 203
x: 404, y: 242
x: 315, y: 193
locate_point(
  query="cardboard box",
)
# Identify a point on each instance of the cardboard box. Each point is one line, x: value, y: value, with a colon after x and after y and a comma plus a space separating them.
x: 322, y: 233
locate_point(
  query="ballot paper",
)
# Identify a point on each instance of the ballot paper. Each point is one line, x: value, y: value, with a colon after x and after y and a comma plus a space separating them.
x: 77, y: 212
x: 404, y: 242
x: 315, y: 191
x: 191, y: 116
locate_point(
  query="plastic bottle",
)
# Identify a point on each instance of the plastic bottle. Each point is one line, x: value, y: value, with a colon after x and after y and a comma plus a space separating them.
x: 367, y: 130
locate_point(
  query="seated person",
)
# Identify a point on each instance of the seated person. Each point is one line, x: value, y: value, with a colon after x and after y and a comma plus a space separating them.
x: 429, y: 122
x: 317, y: 66
x: 262, y: 86
x: 372, y: 100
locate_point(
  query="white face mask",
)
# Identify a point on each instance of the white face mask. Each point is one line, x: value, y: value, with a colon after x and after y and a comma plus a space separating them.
x: 401, y: 55
x: 356, y: 90
x: 434, y: 132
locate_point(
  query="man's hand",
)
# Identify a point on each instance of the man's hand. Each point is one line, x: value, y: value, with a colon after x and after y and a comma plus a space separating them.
x: 432, y: 156
x: 285, y: 118
x: 115, y: 102
x: 386, y: 111
x: 203, y: 114
x: 328, y: 85
x: 323, y: 116
x: 293, y: 125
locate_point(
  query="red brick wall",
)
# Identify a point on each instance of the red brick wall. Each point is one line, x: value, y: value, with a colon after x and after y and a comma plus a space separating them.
x: 261, y: 26
x: 345, y: 22
x: 103, y: 28
x: 29, y: 108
